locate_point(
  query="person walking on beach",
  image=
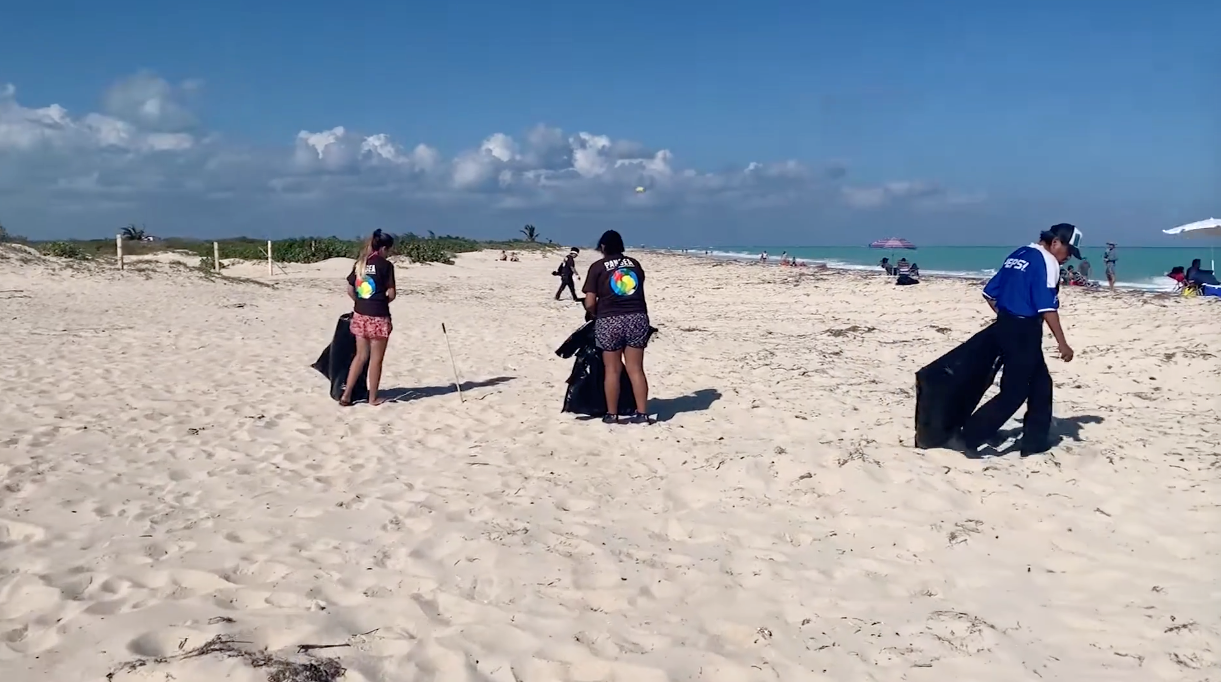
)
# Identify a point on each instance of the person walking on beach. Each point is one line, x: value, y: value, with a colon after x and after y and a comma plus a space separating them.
x: 567, y: 271
x: 371, y: 287
x: 1108, y: 260
x: 1025, y: 295
x: 614, y: 294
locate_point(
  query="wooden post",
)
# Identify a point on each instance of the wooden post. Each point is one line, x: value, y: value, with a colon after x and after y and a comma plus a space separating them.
x: 216, y: 255
x: 270, y: 271
x: 118, y: 249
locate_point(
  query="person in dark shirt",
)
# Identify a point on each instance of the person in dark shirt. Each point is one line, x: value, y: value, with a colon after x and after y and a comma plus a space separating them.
x: 567, y: 271
x: 1197, y: 275
x: 1025, y: 295
x: 614, y: 294
x: 1109, y: 260
x: 371, y: 287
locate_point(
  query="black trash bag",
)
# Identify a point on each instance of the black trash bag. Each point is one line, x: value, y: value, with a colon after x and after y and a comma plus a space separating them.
x: 336, y: 360
x: 585, y: 393
x: 906, y: 280
x: 949, y: 389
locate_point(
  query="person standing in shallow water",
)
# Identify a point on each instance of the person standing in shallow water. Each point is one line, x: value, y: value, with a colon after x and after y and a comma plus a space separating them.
x: 371, y: 287
x: 1109, y: 259
x: 614, y: 294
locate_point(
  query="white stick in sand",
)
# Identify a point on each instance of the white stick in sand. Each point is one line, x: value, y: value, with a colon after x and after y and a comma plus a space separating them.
x: 452, y: 363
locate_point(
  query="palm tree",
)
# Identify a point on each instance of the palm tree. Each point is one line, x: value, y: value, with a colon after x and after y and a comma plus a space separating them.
x: 530, y: 232
x: 131, y: 233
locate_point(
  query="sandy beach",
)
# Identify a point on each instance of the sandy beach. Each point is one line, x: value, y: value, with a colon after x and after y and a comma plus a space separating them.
x: 180, y: 499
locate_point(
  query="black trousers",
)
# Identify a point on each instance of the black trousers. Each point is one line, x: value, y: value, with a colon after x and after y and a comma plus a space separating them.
x: 1024, y: 379
x: 567, y: 283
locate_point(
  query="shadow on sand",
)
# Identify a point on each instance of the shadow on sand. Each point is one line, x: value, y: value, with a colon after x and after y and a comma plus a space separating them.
x: 405, y: 395
x: 667, y: 408
x: 1067, y: 428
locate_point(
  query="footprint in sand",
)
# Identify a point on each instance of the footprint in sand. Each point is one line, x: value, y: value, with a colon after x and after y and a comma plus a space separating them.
x: 14, y: 533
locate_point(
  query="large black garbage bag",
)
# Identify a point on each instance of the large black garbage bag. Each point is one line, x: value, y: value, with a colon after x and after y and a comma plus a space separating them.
x: 585, y: 393
x: 949, y: 389
x: 337, y: 358
x: 906, y: 280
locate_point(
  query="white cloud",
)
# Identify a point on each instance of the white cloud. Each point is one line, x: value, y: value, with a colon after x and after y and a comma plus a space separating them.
x: 151, y: 102
x: 147, y: 144
x: 920, y: 194
x: 52, y: 129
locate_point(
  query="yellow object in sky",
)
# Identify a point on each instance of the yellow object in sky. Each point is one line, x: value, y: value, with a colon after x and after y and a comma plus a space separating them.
x: 640, y: 190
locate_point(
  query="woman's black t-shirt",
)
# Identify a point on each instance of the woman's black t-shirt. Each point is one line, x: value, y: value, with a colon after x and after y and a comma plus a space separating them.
x: 618, y: 282
x: 371, y: 287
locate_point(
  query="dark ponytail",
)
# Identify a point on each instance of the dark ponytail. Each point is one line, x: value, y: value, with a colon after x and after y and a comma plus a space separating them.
x: 376, y: 242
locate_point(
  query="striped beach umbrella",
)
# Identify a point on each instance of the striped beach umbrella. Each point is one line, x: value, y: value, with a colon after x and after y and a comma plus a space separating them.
x: 892, y: 244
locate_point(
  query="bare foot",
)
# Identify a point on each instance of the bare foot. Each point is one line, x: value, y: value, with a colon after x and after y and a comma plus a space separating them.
x: 376, y: 401
x: 345, y: 402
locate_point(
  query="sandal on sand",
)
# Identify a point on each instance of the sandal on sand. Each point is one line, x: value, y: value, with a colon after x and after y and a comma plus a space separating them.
x: 610, y: 419
x: 638, y: 418
x: 345, y: 402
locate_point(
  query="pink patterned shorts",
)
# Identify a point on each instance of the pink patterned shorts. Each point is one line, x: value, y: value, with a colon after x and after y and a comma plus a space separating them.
x: 365, y: 327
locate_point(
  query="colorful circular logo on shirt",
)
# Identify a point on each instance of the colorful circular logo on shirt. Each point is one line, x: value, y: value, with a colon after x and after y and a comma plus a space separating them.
x: 365, y: 287
x: 623, y: 282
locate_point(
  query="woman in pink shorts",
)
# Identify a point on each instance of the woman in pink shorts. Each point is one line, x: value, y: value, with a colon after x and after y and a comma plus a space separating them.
x: 371, y: 288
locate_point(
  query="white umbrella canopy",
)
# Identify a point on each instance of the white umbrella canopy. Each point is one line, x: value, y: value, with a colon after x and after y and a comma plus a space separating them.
x: 1200, y: 228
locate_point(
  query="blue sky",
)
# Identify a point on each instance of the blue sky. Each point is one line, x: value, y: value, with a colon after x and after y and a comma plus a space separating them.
x: 954, y: 122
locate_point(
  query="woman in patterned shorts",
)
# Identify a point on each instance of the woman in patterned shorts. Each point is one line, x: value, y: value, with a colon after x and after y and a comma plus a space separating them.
x: 371, y: 288
x: 614, y: 293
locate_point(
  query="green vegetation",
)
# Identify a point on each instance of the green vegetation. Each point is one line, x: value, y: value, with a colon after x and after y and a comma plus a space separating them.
x: 131, y: 233
x: 63, y: 250
x: 7, y: 237
x: 430, y: 249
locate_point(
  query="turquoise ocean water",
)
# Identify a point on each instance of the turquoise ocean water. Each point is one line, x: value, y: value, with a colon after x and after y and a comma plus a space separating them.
x: 1137, y: 268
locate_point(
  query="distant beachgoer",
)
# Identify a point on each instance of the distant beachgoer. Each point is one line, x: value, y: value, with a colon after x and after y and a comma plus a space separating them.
x: 566, y: 272
x: 503, y: 256
x: 763, y: 257
x: 784, y: 258
x: 1025, y: 295
x: 614, y: 293
x: 905, y: 273
x: 371, y: 287
x: 1196, y: 274
x: 886, y: 266
x: 1109, y: 259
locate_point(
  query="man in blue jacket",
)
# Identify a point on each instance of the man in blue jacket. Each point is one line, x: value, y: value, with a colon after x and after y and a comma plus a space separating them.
x: 1025, y: 294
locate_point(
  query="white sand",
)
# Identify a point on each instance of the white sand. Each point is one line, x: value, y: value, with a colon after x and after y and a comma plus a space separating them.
x: 172, y: 470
